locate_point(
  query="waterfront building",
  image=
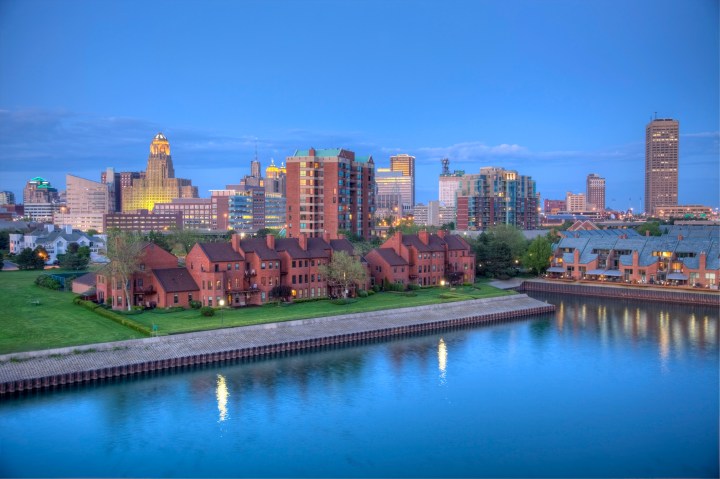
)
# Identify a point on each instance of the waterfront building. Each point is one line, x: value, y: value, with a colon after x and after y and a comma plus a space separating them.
x: 87, y: 202
x: 595, y: 192
x: 405, y: 164
x: 157, y: 282
x: 220, y: 272
x: 7, y: 198
x: 497, y: 196
x: 159, y: 184
x: 143, y: 221
x: 575, y: 202
x: 683, y: 257
x: 55, y: 240
x: 661, y: 164
x: 330, y: 190
x: 423, y: 259
x: 119, y: 182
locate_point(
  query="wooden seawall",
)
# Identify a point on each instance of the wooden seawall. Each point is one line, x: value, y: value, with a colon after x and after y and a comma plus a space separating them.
x: 57, y: 368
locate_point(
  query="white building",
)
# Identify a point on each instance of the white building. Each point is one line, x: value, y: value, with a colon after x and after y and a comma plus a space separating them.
x: 56, y: 241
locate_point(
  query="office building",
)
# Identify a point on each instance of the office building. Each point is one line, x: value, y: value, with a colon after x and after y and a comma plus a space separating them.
x: 595, y: 193
x: 449, y: 184
x: 197, y: 213
x: 661, y: 164
x: 552, y: 207
x: 7, y: 198
x: 143, y: 221
x: 576, y: 203
x: 427, y: 215
x: 87, y: 202
x: 275, y: 178
x: 159, y: 184
x: 405, y: 164
x: 394, y: 193
x: 328, y: 191
x: 119, y: 181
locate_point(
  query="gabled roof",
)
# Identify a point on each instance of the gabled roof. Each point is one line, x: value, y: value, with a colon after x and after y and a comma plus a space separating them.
x: 220, y: 252
x: 456, y: 242
x: 390, y: 257
x: 342, y: 245
x: 414, y: 240
x: 175, y: 280
x: 88, y: 279
x: 259, y: 247
x: 292, y: 247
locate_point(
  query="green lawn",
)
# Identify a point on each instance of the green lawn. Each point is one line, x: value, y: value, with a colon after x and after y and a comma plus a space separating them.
x: 191, y: 320
x: 54, y: 323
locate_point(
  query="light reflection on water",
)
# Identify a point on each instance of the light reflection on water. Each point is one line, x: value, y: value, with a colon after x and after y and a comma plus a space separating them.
x: 603, y: 389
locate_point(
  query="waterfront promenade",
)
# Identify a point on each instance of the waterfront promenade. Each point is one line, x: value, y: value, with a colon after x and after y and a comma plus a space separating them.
x: 48, y: 368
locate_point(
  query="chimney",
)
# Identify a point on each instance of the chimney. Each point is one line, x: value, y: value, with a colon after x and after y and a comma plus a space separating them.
x: 647, y: 232
x: 326, y: 237
x: 270, y: 240
x: 311, y: 151
x: 235, y: 241
x: 424, y: 236
x: 680, y: 237
x: 441, y: 233
x: 302, y: 240
x: 68, y: 229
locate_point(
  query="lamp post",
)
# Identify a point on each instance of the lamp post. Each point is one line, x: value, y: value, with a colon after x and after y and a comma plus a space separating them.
x: 222, y: 308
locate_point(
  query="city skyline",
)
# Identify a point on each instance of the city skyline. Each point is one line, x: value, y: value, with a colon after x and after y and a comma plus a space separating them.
x: 554, y: 90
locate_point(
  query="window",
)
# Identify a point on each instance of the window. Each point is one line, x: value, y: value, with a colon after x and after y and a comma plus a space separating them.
x: 293, y: 264
x: 217, y: 284
x: 237, y: 266
x: 190, y: 297
x: 293, y: 279
x: 229, y: 266
x: 262, y: 265
x: 175, y: 298
x: 262, y: 281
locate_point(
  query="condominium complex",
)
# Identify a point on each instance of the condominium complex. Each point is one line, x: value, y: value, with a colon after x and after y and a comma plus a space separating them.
x: 661, y: 164
x: 330, y: 190
x: 87, y: 202
x: 159, y: 184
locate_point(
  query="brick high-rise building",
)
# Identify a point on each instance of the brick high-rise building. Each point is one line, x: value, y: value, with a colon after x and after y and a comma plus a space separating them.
x: 661, y: 164
x: 595, y: 192
x: 159, y: 184
x: 330, y: 190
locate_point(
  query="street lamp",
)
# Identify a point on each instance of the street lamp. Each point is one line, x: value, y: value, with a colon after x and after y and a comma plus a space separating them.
x: 222, y: 307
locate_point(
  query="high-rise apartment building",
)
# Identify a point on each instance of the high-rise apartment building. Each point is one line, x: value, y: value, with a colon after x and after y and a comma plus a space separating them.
x: 405, y: 164
x: 498, y: 196
x: 87, y: 202
x: 661, y: 164
x: 330, y: 190
x: 7, y: 198
x: 39, y: 190
x: 159, y: 184
x: 595, y: 192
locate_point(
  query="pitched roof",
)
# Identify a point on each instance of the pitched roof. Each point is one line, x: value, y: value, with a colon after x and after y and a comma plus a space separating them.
x: 390, y: 257
x: 259, y: 247
x: 456, y: 242
x: 342, y: 245
x: 318, y: 248
x: 292, y: 247
x: 175, y: 280
x: 88, y: 279
x: 220, y: 252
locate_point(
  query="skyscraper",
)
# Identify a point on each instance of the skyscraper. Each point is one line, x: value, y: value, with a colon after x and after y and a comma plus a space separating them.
x: 406, y: 164
x: 394, y: 193
x: 330, y: 190
x: 87, y: 202
x: 595, y: 192
x: 159, y: 184
x: 661, y: 164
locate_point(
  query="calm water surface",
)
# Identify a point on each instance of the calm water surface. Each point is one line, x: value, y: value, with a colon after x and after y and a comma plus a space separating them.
x: 600, y: 389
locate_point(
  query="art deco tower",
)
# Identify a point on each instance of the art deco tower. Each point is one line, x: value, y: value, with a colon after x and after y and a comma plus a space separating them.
x: 159, y: 184
x: 661, y: 164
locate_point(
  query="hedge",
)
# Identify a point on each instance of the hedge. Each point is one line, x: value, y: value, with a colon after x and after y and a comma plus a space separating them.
x: 113, y: 316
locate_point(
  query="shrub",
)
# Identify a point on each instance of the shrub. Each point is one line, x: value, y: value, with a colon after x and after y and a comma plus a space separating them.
x: 195, y: 304
x: 112, y: 315
x: 341, y: 302
x: 207, y: 311
x: 413, y: 287
x: 47, y: 281
x: 370, y: 292
x: 362, y: 293
x: 376, y: 288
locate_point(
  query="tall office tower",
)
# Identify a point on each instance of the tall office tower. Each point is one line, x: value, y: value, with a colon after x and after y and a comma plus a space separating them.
x: 119, y: 180
x: 394, y: 193
x: 39, y: 190
x: 595, y: 192
x: 275, y: 178
x: 255, y: 169
x: 661, y: 164
x: 7, y: 198
x: 449, y: 184
x: 159, y: 184
x: 247, y: 209
x: 575, y: 202
x: 405, y: 164
x: 502, y: 197
x: 330, y: 190
x: 87, y: 202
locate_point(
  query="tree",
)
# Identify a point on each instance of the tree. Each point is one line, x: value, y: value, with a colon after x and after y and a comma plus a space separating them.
x: 343, y: 271
x: 159, y: 239
x: 511, y: 236
x: 263, y: 232
x: 499, y: 260
x: 281, y: 291
x: 537, y: 257
x: 4, y: 240
x: 32, y: 259
x: 651, y: 227
x: 76, y: 258
x: 124, y: 250
x: 2, y: 261
x: 182, y: 241
x: 92, y: 232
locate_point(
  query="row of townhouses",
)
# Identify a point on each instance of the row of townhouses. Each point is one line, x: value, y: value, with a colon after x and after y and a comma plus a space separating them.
x: 55, y: 241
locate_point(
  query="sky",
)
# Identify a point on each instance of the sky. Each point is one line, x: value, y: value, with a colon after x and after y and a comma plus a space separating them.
x: 553, y: 89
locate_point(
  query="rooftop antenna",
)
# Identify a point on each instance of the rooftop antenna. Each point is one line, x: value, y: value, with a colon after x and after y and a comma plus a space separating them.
x: 256, y: 148
x: 655, y: 118
x: 445, y: 166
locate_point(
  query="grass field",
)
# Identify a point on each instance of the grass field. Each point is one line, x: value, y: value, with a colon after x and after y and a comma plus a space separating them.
x: 56, y: 322
x: 53, y: 323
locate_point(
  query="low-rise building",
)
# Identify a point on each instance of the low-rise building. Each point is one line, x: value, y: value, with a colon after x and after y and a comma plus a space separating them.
x: 55, y: 241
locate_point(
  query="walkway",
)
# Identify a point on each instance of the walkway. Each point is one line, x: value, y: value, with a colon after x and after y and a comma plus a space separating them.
x: 83, y: 363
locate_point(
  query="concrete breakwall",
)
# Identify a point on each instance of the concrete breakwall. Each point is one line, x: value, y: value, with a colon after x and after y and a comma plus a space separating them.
x: 58, y: 368
x: 624, y: 292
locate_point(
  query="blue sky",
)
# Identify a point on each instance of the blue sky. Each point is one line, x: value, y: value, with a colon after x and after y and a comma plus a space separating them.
x: 553, y: 89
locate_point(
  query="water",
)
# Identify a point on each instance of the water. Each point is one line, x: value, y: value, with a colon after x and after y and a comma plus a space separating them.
x: 601, y: 389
